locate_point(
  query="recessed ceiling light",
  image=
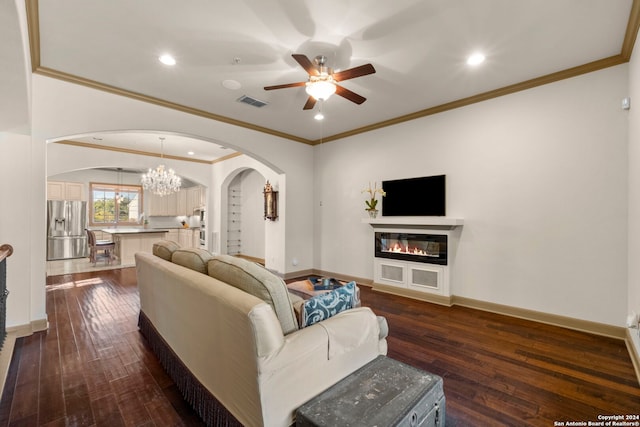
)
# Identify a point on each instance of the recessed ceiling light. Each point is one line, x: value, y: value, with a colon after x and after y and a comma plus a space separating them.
x: 191, y: 153
x: 231, y: 84
x: 319, y: 116
x: 475, y: 59
x: 167, y: 59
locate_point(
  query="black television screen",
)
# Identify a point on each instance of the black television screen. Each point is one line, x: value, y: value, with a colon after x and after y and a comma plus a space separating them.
x: 423, y: 196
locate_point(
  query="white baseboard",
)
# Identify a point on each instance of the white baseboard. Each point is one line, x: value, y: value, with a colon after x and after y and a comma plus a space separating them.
x: 13, y: 333
x: 538, y: 316
x: 633, y: 346
x: 28, y: 329
x: 6, y: 354
x: 411, y: 293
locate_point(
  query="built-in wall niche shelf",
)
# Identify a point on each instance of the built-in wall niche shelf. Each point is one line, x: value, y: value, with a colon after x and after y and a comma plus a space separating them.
x: 421, y: 221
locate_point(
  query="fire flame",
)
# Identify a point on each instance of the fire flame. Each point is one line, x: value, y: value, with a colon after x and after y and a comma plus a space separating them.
x: 398, y: 248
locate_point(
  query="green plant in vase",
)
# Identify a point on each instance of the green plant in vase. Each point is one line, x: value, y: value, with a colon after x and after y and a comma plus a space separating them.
x: 372, y: 203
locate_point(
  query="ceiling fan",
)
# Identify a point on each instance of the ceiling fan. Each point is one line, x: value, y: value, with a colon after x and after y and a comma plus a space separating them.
x: 322, y: 80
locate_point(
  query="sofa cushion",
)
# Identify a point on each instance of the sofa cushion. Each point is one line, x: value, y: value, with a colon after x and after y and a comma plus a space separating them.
x: 165, y: 249
x: 257, y: 281
x: 193, y: 258
x: 329, y: 304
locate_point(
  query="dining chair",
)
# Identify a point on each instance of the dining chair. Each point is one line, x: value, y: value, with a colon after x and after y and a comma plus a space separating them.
x: 100, y: 248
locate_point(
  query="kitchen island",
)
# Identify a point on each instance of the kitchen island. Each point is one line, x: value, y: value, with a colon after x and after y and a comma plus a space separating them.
x: 131, y: 240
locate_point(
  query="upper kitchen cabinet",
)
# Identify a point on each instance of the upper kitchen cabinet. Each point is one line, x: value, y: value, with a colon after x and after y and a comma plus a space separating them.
x: 59, y: 190
x: 182, y: 203
x: 172, y: 204
x: 195, y: 198
x: 158, y: 205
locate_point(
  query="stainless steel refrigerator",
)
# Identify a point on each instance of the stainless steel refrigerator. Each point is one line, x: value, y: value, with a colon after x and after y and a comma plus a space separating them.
x: 66, y: 235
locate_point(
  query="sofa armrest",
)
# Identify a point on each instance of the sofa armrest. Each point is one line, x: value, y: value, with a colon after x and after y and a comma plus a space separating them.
x: 323, y: 341
x: 313, y: 359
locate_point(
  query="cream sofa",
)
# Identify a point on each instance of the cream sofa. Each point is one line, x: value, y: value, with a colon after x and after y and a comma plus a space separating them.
x: 232, y: 352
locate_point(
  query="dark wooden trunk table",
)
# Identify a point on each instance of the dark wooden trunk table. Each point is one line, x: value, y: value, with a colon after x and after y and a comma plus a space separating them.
x: 382, y: 393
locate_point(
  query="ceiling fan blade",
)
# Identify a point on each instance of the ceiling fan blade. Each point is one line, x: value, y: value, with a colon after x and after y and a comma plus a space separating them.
x: 311, y: 102
x: 306, y: 64
x: 354, y: 72
x: 351, y: 96
x: 285, y: 86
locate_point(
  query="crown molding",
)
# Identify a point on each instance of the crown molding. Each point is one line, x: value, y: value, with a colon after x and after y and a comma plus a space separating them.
x: 632, y: 31
x: 633, y: 25
x: 60, y: 75
x: 507, y: 90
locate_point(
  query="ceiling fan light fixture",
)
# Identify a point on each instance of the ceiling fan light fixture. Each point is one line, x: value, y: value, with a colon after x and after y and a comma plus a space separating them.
x: 320, y: 89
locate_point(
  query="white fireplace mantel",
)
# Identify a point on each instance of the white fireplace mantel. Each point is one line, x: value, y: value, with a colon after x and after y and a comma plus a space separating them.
x: 421, y: 221
x: 425, y: 281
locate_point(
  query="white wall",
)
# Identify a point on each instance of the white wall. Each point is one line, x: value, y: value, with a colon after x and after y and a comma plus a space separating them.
x: 17, y: 163
x: 540, y: 178
x: 253, y: 223
x: 16, y: 229
x: 634, y: 185
x: 275, y: 247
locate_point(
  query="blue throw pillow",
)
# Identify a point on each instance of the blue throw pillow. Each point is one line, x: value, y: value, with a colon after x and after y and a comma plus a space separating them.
x: 329, y: 304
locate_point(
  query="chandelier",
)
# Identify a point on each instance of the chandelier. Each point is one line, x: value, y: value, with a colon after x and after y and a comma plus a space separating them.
x: 161, y: 181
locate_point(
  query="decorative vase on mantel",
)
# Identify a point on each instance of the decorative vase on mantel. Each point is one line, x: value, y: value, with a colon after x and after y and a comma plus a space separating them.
x: 373, y: 213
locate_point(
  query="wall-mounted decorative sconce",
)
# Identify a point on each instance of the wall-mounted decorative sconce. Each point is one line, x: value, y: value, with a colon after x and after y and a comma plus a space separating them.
x: 270, y: 202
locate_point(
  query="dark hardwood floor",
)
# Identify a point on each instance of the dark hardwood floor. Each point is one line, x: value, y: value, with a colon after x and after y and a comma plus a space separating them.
x: 93, y: 368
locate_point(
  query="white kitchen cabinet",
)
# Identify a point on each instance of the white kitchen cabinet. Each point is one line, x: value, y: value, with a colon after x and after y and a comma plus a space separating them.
x: 176, y: 204
x: 129, y: 242
x: 185, y: 238
x: 158, y: 206
x: 189, y: 237
x: 192, y: 197
x: 203, y: 197
x: 182, y: 203
x: 172, y: 204
x: 173, y: 236
x: 195, y: 198
x: 196, y: 238
x: 60, y: 190
x: 55, y: 190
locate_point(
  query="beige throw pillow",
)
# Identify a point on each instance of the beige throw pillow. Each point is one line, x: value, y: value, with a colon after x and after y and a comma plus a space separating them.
x: 257, y: 281
x: 193, y: 258
x: 165, y: 249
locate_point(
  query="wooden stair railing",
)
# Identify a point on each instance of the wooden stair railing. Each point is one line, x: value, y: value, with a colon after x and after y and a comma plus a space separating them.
x: 5, y: 251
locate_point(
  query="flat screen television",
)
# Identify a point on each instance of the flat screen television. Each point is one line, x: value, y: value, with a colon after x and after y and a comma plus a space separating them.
x: 423, y: 196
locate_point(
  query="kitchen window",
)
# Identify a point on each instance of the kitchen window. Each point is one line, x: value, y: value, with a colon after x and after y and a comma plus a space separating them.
x: 113, y: 204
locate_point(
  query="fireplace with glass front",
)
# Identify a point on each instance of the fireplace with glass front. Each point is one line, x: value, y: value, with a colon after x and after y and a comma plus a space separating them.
x: 415, y: 247
x: 413, y: 256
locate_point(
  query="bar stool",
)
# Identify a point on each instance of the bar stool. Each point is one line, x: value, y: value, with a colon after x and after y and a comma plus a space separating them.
x: 99, y: 248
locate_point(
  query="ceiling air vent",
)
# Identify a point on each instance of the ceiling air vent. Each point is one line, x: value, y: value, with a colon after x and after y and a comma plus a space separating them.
x: 251, y: 101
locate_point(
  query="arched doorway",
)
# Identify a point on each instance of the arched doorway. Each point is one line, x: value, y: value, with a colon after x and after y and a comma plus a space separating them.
x: 245, y: 226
